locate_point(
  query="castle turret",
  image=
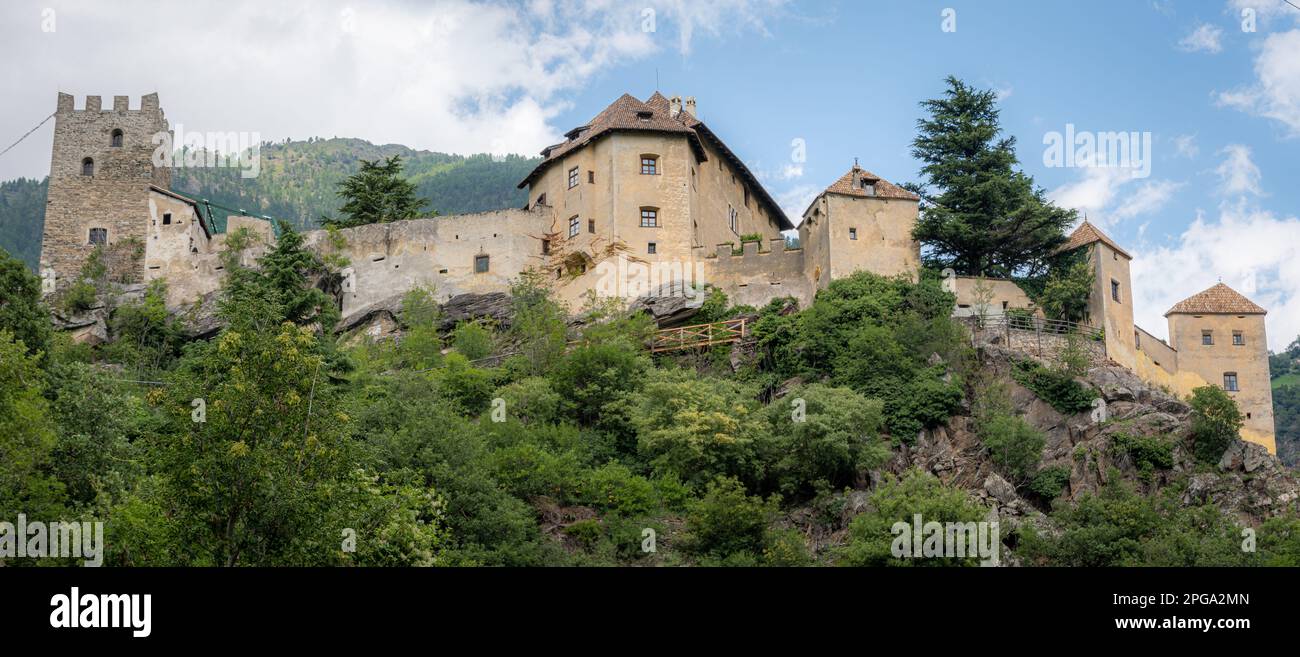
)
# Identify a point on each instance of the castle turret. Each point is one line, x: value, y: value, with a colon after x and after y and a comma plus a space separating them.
x: 1110, y: 306
x: 101, y: 172
x: 861, y: 222
x: 1219, y: 335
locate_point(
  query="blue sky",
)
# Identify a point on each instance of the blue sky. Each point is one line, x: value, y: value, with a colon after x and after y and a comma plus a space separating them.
x: 1222, y: 104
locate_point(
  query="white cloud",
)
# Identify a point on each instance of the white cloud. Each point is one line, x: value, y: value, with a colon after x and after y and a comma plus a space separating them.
x: 1276, y: 91
x: 1205, y: 38
x: 455, y: 75
x: 1252, y: 250
x: 1185, y: 146
x: 1238, y: 174
x: 1104, y: 195
x: 797, y: 199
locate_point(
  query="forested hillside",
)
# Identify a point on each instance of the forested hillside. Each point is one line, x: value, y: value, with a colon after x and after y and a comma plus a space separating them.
x: 22, y: 213
x: 275, y: 443
x: 1285, y: 369
x: 298, y: 183
x: 298, y: 180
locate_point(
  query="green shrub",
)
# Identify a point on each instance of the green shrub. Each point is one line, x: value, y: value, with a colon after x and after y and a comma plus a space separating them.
x: 1057, y: 388
x: 79, y: 297
x: 1012, y: 444
x: 469, y: 388
x: 726, y: 523
x: 472, y: 340
x: 526, y: 471
x: 699, y: 428
x: 872, y: 535
x: 825, y: 435
x: 1147, y: 452
x: 1049, y: 482
x: 531, y: 400
x: 1216, y: 422
x: 613, y: 488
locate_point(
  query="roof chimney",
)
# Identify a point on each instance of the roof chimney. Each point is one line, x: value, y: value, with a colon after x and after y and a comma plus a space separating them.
x: 674, y: 106
x: 690, y: 106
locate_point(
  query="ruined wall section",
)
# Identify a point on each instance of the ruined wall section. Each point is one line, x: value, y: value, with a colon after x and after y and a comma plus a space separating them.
x: 387, y: 260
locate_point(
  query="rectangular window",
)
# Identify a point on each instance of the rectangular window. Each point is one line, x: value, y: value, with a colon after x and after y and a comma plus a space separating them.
x: 733, y: 220
x: 1207, y: 338
x: 650, y: 248
x: 649, y: 166
x: 746, y: 197
x: 591, y: 177
x: 853, y: 233
x: 649, y: 218
x: 1230, y: 382
x: 546, y: 247
x: 480, y: 264
x: 1114, y: 290
x: 573, y: 227
x: 591, y: 226
x: 167, y: 218
x: 573, y: 177
x: 99, y: 236
x: 1238, y: 338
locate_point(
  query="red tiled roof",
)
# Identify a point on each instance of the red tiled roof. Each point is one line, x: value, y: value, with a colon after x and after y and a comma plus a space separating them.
x: 884, y: 188
x: 653, y: 115
x: 1087, y: 234
x: 1218, y: 300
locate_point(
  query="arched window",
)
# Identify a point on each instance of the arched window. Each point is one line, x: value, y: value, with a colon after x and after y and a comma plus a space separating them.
x: 87, y: 167
x: 116, y: 139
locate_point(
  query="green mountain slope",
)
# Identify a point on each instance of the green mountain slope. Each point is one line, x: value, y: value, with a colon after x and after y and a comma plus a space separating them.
x: 297, y: 183
x: 298, y: 179
x: 22, y: 213
x: 1285, y: 367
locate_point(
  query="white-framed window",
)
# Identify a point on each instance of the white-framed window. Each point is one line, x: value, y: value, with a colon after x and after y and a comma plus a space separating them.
x: 573, y: 177
x: 649, y: 165
x: 649, y: 217
x: 733, y: 219
x: 573, y: 226
x: 1238, y: 339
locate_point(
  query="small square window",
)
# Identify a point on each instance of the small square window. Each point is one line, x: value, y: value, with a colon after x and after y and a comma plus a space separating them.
x: 1230, y: 382
x: 1207, y: 338
x: 649, y: 165
x: 480, y: 264
x: 649, y: 218
x: 1238, y: 338
x: 853, y: 233
x: 98, y: 236
x: 650, y: 248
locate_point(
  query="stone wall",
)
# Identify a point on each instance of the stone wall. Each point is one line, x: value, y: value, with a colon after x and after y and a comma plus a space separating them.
x: 387, y: 260
x: 757, y: 276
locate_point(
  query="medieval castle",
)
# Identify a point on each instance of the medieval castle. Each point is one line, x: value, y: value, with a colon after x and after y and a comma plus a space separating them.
x: 644, y: 196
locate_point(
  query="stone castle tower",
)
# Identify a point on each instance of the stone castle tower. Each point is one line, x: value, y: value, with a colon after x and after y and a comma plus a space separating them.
x: 101, y: 174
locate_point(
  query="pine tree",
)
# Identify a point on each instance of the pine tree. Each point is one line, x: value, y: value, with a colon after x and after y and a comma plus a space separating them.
x: 981, y: 216
x: 379, y: 194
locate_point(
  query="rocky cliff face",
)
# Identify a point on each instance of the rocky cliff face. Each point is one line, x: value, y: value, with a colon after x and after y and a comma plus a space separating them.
x: 1247, y: 482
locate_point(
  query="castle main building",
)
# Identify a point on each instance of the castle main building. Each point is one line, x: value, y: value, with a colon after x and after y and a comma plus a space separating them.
x: 643, y: 199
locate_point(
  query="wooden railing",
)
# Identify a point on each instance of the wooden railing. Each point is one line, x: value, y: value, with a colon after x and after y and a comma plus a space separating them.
x: 698, y: 335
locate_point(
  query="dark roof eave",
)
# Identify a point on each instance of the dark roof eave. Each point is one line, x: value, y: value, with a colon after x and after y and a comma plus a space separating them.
x: 773, y: 206
x: 592, y: 138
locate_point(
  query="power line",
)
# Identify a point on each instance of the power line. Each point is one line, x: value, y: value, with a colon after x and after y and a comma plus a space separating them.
x: 1292, y: 4
x: 29, y: 132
